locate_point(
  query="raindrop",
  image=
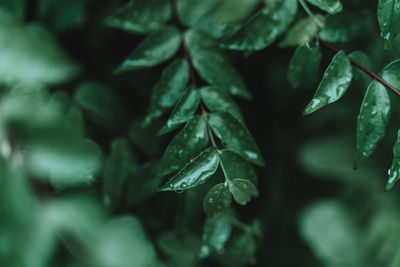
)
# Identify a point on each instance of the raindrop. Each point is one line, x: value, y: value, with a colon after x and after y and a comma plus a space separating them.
x: 184, y: 185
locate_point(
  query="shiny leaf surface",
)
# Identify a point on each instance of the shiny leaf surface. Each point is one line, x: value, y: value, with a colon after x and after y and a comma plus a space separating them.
x: 330, y: 6
x: 217, y: 200
x: 389, y: 20
x: 303, y: 31
x: 394, y: 171
x: 242, y: 190
x: 236, y: 166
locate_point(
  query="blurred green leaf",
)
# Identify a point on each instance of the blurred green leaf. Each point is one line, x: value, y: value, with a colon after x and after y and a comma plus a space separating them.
x: 217, y: 200
x: 242, y: 190
x: 241, y: 251
x: 389, y: 20
x: 303, y: 31
x: 330, y: 6
x: 340, y: 27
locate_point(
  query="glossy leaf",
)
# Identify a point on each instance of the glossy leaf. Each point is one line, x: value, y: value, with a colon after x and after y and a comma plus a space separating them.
x: 389, y: 20
x: 304, y: 66
x: 372, y: 120
x: 156, y: 48
x: 330, y: 6
x: 235, y: 136
x: 391, y: 73
x: 217, y: 100
x: 334, y: 84
x: 303, y: 31
x: 236, y: 166
x: 183, y: 111
x: 341, y: 27
x: 187, y: 144
x: 195, y: 172
x: 217, y: 200
x: 141, y: 16
x: 242, y: 190
x: 394, y: 171
x: 264, y: 28
x: 168, y: 89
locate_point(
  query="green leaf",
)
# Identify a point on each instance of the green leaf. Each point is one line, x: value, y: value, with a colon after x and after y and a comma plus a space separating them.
x: 389, y: 20
x: 361, y: 78
x: 217, y: 200
x: 303, y: 31
x: 214, y: 68
x: 341, y: 27
x: 241, y: 250
x: 183, y: 111
x: 187, y: 144
x: 195, y: 172
x: 236, y: 166
x: 334, y: 84
x: 191, y: 12
x: 156, y: 48
x: 330, y: 6
x: 372, y: 120
x: 141, y: 16
x: 394, y: 171
x: 391, y: 73
x: 242, y: 190
x: 168, y: 89
x: 304, y: 66
x: 217, y: 100
x: 264, y: 28
x: 235, y: 135
x: 195, y: 40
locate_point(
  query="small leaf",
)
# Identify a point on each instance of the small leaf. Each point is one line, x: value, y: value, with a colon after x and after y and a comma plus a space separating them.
x: 334, y: 84
x: 389, y: 20
x: 236, y: 166
x: 183, y: 110
x: 330, y: 6
x: 264, y: 28
x: 141, y: 16
x: 217, y: 100
x: 235, y: 135
x: 304, y: 66
x: 394, y: 171
x: 217, y: 200
x: 242, y: 190
x: 195, y: 172
x: 303, y: 31
x: 156, y: 48
x: 187, y: 144
x: 372, y: 120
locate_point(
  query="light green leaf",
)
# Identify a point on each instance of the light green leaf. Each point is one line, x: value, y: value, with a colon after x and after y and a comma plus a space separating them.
x: 372, y: 120
x: 330, y: 6
x: 156, y: 48
x: 303, y: 31
x: 341, y: 27
x: 141, y: 16
x: 334, y: 84
x: 304, y: 66
x: 183, y: 111
x: 264, y: 28
x: 217, y: 200
x: 235, y: 136
x: 242, y: 190
x: 236, y: 166
x: 394, y: 171
x: 389, y: 20
x: 187, y: 144
x: 217, y: 100
x: 168, y: 89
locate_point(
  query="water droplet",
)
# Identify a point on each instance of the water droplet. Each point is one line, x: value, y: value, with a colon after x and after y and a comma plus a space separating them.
x: 184, y: 185
x: 210, y: 200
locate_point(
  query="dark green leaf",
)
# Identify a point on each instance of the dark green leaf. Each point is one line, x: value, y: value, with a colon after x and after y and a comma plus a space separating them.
x: 145, y: 138
x: 330, y: 6
x: 242, y: 190
x: 141, y: 16
x: 334, y: 84
x: 263, y: 28
x: 361, y: 78
x: 191, y: 12
x: 217, y: 100
x: 389, y: 20
x: 187, y: 144
x: 195, y: 172
x: 237, y: 167
x: 156, y: 48
x: 341, y: 27
x: 241, y: 251
x: 183, y: 111
x: 304, y: 66
x: 394, y: 171
x: 372, y: 120
x: 391, y: 73
x: 235, y: 135
x: 195, y: 40
x: 217, y: 200
x: 303, y: 31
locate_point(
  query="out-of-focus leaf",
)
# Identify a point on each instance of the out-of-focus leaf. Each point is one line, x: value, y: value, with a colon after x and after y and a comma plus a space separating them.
x: 191, y: 12
x: 156, y: 48
x: 12, y: 10
x: 141, y: 16
x: 303, y: 31
x: 394, y: 171
x: 360, y: 77
x: 236, y: 166
x: 340, y: 27
x: 195, y: 172
x: 187, y: 144
x: 217, y: 200
x: 240, y: 251
x: 334, y: 84
x: 235, y: 136
x: 330, y: 6
x: 389, y: 20
x: 197, y: 40
x: 242, y: 190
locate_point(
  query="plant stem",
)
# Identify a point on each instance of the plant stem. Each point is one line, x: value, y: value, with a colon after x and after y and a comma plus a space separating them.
x: 361, y: 67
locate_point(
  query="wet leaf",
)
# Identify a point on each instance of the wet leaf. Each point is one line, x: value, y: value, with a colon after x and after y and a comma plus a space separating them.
x: 389, y: 20
x: 242, y: 190
x: 195, y: 172
x: 334, y: 84
x: 391, y: 73
x: 187, y: 144
x: 156, y: 48
x: 303, y: 31
x: 394, y: 171
x: 330, y: 6
x: 236, y: 166
x: 235, y: 136
x: 217, y: 200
